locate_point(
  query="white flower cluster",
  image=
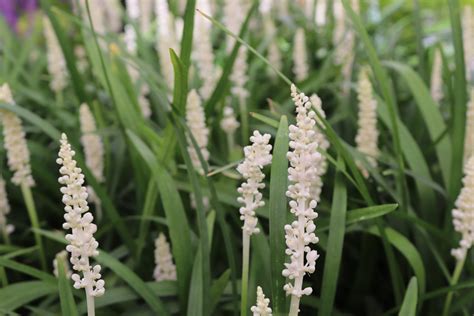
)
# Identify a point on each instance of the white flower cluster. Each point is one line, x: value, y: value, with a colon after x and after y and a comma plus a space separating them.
x: 436, y: 78
x: 15, y: 142
x: 463, y: 214
x: 239, y: 75
x: 203, y: 53
x: 92, y: 143
x: 130, y: 38
x: 304, y: 159
x: 257, y: 156
x: 262, y: 307
x: 82, y: 244
x: 165, y: 268
x: 56, y: 61
x: 300, y: 56
x: 146, y: 10
x: 62, y: 255
x: 469, y: 133
x: 468, y: 40
x: 5, y: 229
x: 166, y: 39
x: 323, y: 143
x: 367, y: 133
x: 229, y: 123
x: 196, y: 121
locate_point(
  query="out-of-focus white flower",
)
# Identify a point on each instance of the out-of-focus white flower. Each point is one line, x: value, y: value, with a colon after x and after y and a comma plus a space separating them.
x: 166, y: 39
x: 323, y: 144
x: 164, y: 266
x: 262, y: 307
x: 234, y: 17
x: 257, y: 156
x: 56, y: 61
x: 229, y: 123
x: 146, y: 11
x: 463, y: 213
x: 5, y: 229
x: 469, y: 137
x: 15, y: 142
x: 113, y: 14
x: 273, y: 54
x: 367, y: 133
x: 320, y: 18
x: 265, y: 7
x: 62, y: 255
x: 239, y: 75
x: 436, y: 78
x: 300, y: 56
x: 304, y: 159
x: 196, y: 121
x: 91, y: 142
x: 82, y: 244
x: 283, y: 8
x: 81, y: 58
x: 203, y: 53
x: 468, y: 40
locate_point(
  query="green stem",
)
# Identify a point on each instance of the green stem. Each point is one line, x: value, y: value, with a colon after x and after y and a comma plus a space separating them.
x: 6, y: 238
x: 454, y: 281
x: 30, y: 206
x: 244, y: 120
x: 245, y: 273
x: 230, y: 142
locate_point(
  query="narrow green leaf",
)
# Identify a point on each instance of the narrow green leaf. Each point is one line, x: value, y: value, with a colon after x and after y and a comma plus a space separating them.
x: 25, y: 269
x: 278, y: 214
x: 460, y: 98
x: 409, y: 252
x: 19, y: 294
x: 148, y: 208
x: 410, y: 300
x: 188, y: 30
x: 179, y: 228
x: 180, y: 91
x: 133, y: 280
x: 196, y: 299
x: 431, y: 115
x: 217, y: 289
x: 334, y: 245
x: 68, y: 306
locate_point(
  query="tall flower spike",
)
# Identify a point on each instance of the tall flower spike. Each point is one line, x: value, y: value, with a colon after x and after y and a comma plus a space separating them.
x: 323, y: 143
x: 165, y: 268
x: 146, y: 11
x: 257, y: 156
x: 5, y: 229
x: 196, y: 121
x: 436, y: 78
x: 15, y: 142
x: 239, y: 76
x: 203, y: 53
x: 463, y: 213
x: 56, y: 61
x: 82, y: 244
x: 367, y: 133
x: 302, y: 174
x: 469, y: 138
x: 300, y: 56
x: 468, y: 40
x: 92, y: 143
x: 274, y: 55
x: 262, y: 307
x: 166, y: 39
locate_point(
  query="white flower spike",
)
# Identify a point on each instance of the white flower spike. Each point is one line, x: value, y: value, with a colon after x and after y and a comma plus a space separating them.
x: 196, y: 121
x: 323, y: 143
x: 56, y: 61
x: 367, y: 134
x: 229, y: 123
x: 15, y: 142
x: 469, y: 138
x: 82, y: 244
x: 5, y: 229
x: 257, y: 156
x: 302, y: 174
x: 91, y: 142
x: 463, y: 213
x: 262, y: 307
x: 300, y: 56
x: 165, y: 268
x: 436, y: 78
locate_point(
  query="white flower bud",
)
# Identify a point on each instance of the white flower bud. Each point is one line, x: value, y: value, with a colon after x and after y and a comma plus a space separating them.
x: 262, y: 307
x: 196, y: 121
x: 56, y: 61
x: 300, y: 56
x: 165, y: 268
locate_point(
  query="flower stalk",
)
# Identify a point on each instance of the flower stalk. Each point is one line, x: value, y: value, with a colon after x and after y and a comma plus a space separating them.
x: 257, y: 156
